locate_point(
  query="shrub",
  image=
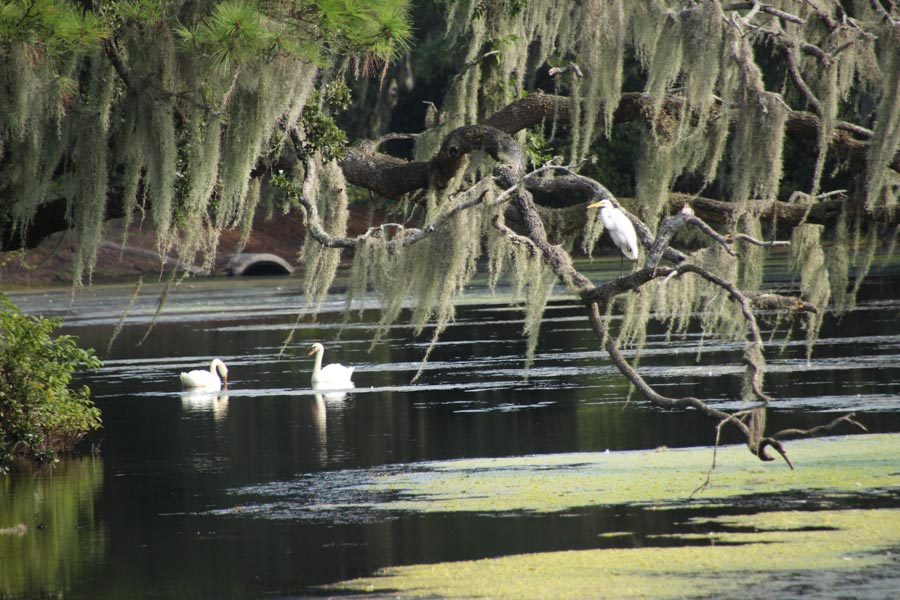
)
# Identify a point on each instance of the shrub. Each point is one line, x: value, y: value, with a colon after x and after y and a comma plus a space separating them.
x: 39, y: 415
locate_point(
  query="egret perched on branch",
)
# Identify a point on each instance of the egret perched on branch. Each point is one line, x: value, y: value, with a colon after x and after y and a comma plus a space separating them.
x: 619, y: 227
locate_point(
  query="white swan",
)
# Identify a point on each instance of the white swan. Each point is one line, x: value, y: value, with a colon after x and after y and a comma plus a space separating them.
x: 330, y: 376
x: 206, y: 380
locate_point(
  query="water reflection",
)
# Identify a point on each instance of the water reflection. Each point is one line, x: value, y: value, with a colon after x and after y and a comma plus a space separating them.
x: 173, y: 460
x: 50, y: 533
x: 198, y: 401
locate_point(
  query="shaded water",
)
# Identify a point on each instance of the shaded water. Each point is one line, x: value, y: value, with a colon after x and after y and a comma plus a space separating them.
x: 203, y: 495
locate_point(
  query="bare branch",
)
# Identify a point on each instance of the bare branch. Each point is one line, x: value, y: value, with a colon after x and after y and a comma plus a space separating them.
x: 795, y: 433
x: 314, y: 225
x: 512, y: 236
x: 881, y: 10
x: 751, y: 240
x: 112, y: 53
x: 572, y: 68
x: 800, y: 84
x: 723, y: 241
x: 642, y: 386
x: 389, y: 137
x: 749, y: 316
x: 712, y: 467
x: 826, y: 18
x: 481, y: 58
x: 756, y: 6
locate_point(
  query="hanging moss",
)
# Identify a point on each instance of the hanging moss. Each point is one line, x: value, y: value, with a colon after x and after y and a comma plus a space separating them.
x: 837, y: 261
x: 245, y: 223
x: 87, y: 203
x: 720, y: 316
x: 154, y: 129
x: 669, y: 306
x: 702, y: 58
x: 602, y: 48
x: 593, y: 229
x: 808, y: 259
x: 757, y: 143
x: 828, y: 99
x: 872, y: 242
x: 326, y: 187
x: 633, y: 332
x: 654, y: 171
x: 130, y: 159
x: 385, y: 270
x: 666, y: 62
x: 30, y: 130
x: 752, y: 257
x: 541, y: 281
x: 677, y: 300
x: 881, y: 187
x: 202, y: 142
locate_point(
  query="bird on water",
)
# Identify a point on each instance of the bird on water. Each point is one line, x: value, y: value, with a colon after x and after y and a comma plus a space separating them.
x: 333, y: 375
x: 207, y: 380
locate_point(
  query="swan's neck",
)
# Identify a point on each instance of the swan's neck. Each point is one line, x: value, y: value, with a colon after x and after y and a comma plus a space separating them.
x: 214, y: 367
x: 318, y: 366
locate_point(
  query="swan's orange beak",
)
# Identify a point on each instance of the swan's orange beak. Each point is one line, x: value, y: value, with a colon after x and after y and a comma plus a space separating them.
x: 311, y: 352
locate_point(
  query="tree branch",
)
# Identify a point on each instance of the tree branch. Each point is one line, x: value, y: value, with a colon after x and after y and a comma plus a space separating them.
x: 766, y: 8
x: 800, y: 84
x: 795, y: 433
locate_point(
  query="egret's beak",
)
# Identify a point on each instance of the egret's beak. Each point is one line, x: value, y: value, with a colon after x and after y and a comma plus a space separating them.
x: 594, y: 205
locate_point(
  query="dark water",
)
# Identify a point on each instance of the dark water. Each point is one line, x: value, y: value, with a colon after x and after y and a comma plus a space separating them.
x: 202, y: 495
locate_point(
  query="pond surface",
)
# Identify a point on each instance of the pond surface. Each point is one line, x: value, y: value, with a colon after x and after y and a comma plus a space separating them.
x: 198, y: 495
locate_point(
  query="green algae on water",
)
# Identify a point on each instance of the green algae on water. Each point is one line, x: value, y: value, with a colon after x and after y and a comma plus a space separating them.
x: 551, y: 483
x: 765, y: 556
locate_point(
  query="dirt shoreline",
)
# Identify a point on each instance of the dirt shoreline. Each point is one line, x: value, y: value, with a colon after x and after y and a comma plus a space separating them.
x: 51, y: 263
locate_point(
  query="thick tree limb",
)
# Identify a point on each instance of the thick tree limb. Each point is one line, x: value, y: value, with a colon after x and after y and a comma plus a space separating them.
x: 536, y: 109
x: 763, y: 301
x: 393, y: 178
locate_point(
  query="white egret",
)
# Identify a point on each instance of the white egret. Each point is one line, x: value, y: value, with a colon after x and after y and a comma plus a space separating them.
x: 620, y: 228
x: 207, y: 380
x: 334, y: 375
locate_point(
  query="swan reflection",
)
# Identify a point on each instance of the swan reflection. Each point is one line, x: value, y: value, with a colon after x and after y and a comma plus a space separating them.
x: 333, y: 392
x: 204, y: 401
x: 327, y: 397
